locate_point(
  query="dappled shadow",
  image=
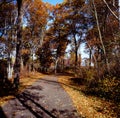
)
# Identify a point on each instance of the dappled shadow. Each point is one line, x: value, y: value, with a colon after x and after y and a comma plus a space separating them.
x: 7, y: 89
x: 78, y: 81
x: 38, y: 111
x: 35, y: 87
x: 31, y: 103
x: 2, y: 114
x: 58, y: 73
x: 64, y: 74
x: 57, y: 83
x: 65, y: 113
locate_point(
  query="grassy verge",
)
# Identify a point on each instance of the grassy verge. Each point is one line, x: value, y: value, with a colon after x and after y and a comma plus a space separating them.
x: 87, y: 106
x: 25, y: 81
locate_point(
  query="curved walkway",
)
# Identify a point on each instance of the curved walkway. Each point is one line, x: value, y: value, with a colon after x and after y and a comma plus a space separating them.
x: 44, y: 99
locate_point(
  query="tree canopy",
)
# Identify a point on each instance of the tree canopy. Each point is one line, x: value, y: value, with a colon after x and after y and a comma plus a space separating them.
x: 37, y: 33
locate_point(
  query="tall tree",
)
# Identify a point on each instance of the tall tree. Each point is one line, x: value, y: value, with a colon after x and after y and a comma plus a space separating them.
x: 18, y: 45
x: 102, y: 35
x: 77, y: 24
x: 35, y: 28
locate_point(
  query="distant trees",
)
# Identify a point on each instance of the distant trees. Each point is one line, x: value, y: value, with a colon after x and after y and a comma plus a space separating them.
x: 67, y: 26
x: 76, y: 20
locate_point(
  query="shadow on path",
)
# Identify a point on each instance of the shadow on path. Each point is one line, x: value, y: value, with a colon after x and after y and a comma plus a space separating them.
x: 44, y: 99
x: 24, y: 97
x: 2, y: 114
x: 56, y: 82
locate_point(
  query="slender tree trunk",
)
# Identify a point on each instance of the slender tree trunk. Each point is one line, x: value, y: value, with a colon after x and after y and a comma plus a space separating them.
x: 96, y: 65
x: 56, y: 64
x: 111, y: 10
x: 76, y: 50
x: 6, y: 38
x: 79, y: 60
x: 100, y: 37
x: 113, y: 2
x: 42, y: 36
x: 62, y: 65
x: 9, y: 68
x: 22, y: 64
x: 119, y: 12
x: 90, y: 57
x: 18, y: 46
x: 32, y: 63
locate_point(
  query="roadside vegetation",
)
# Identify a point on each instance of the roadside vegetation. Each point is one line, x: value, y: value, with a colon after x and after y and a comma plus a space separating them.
x: 92, y: 102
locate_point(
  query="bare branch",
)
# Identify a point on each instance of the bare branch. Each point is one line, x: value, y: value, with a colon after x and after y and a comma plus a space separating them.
x: 111, y: 10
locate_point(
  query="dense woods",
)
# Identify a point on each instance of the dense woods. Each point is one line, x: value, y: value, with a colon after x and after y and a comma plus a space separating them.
x: 37, y: 36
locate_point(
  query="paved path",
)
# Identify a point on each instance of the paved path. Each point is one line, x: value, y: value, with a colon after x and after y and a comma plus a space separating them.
x: 44, y: 99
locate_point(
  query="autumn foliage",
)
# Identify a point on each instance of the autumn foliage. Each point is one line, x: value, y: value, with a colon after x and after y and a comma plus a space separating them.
x: 43, y: 37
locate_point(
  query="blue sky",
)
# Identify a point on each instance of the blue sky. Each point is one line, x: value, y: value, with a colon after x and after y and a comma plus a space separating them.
x: 53, y: 1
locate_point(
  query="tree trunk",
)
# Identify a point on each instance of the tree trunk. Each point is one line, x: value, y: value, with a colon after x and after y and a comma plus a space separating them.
x: 119, y: 12
x: 117, y: 17
x: 56, y: 65
x: 100, y: 37
x: 90, y: 57
x: 18, y: 46
x: 62, y: 65
x: 76, y: 50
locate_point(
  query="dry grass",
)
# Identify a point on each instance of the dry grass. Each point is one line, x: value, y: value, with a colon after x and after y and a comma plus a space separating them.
x: 26, y: 80
x: 87, y: 106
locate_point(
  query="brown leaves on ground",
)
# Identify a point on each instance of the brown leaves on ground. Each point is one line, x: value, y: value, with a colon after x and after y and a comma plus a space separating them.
x: 26, y: 80
x: 87, y: 106
x: 29, y: 79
